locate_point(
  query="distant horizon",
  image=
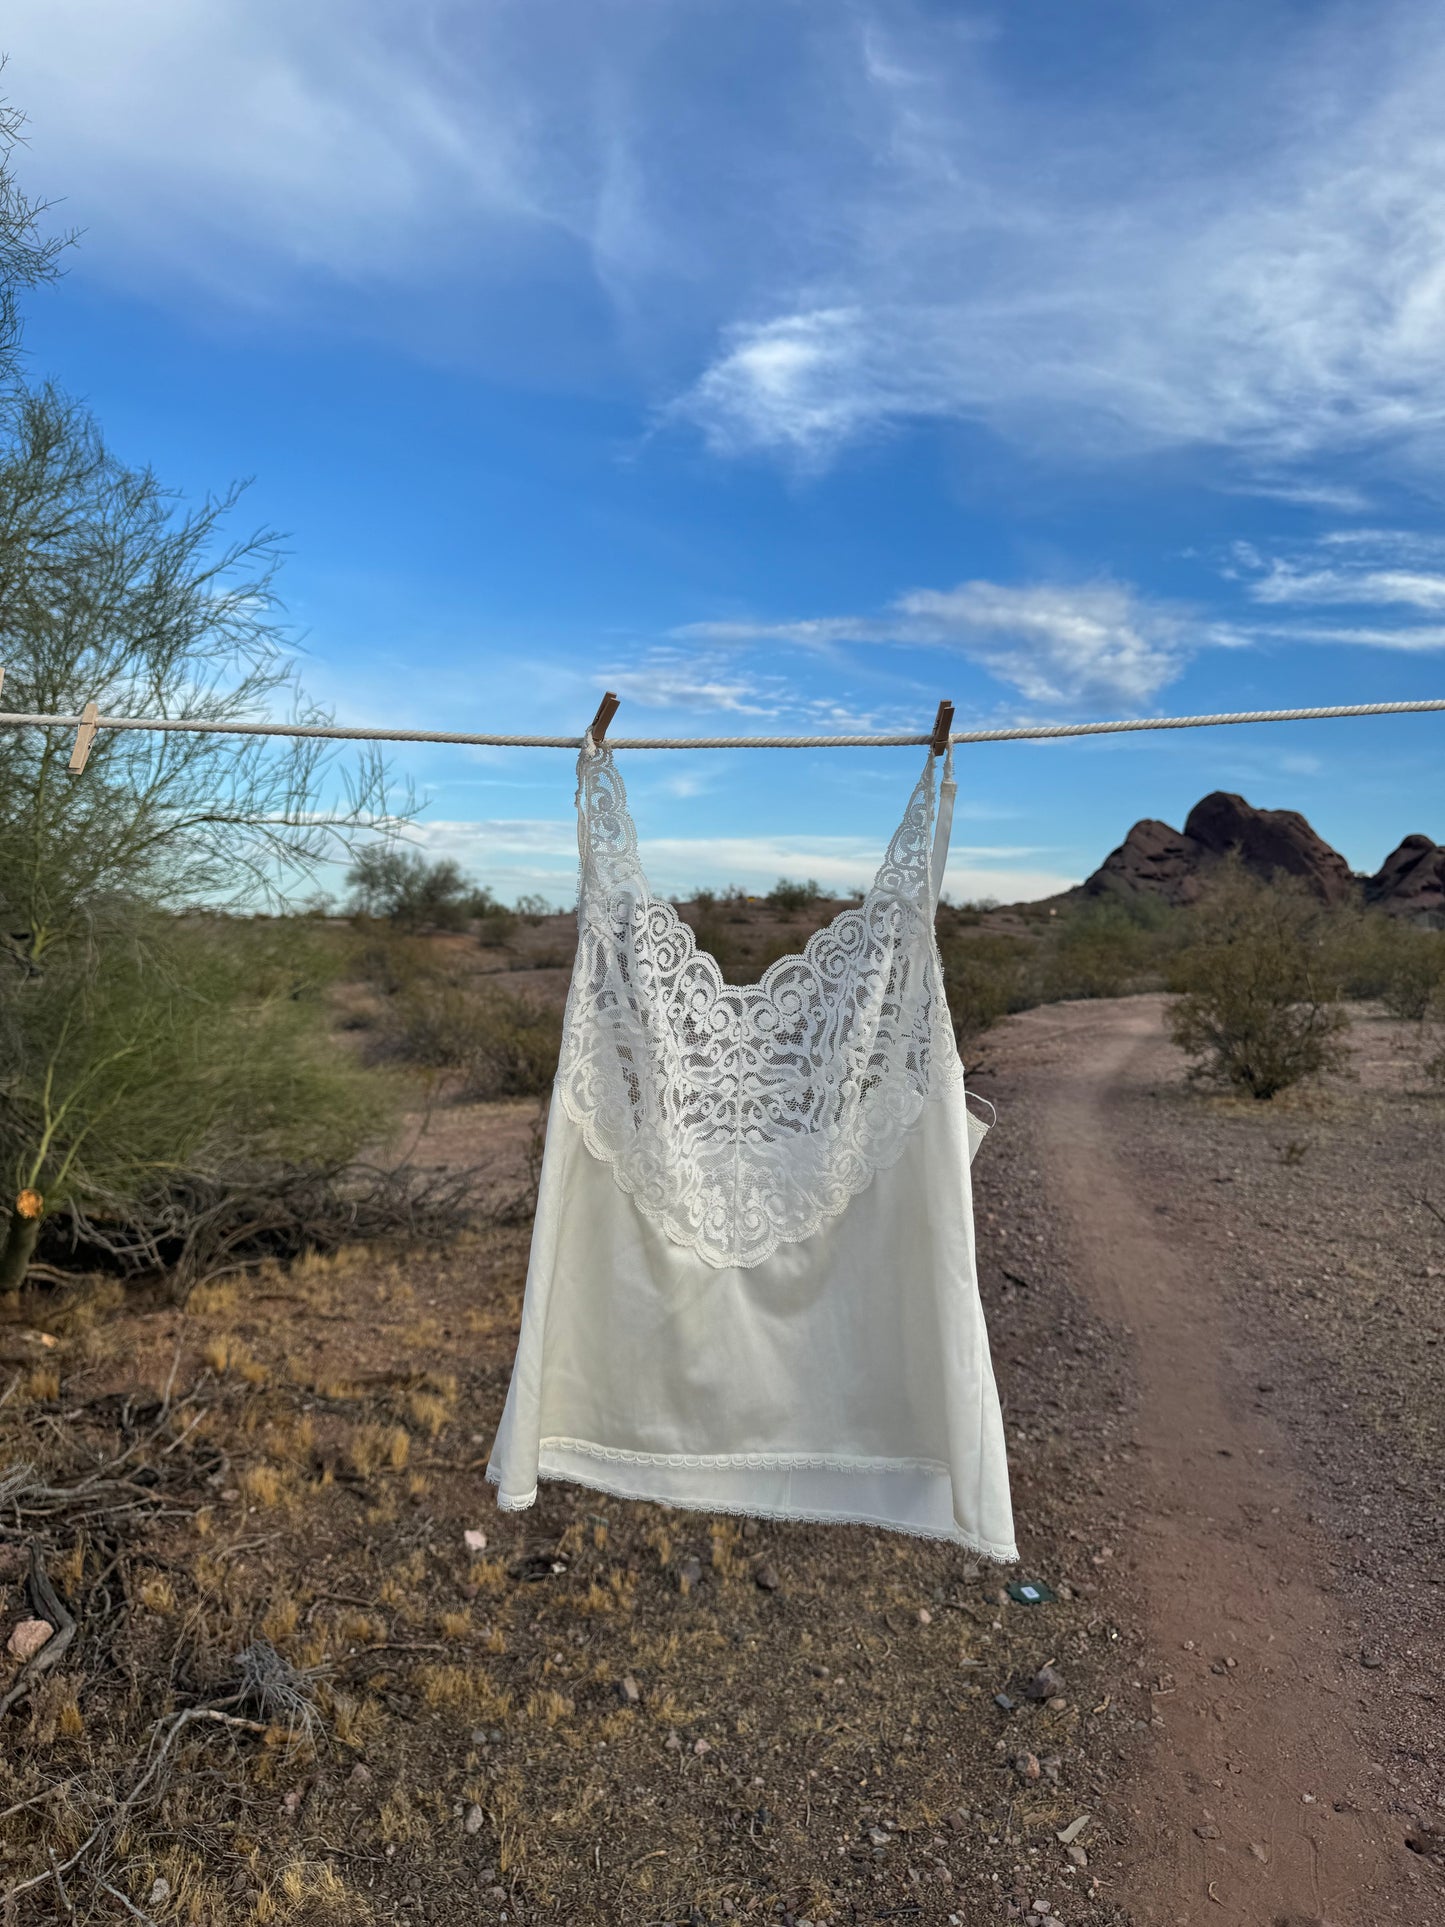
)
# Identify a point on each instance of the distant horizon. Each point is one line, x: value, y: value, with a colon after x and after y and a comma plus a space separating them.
x: 659, y: 861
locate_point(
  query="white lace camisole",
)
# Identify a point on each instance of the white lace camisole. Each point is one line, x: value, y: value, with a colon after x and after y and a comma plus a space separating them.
x: 752, y: 1284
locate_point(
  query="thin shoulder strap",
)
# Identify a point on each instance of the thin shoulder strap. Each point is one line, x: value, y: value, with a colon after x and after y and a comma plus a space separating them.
x: 942, y: 828
x: 606, y: 837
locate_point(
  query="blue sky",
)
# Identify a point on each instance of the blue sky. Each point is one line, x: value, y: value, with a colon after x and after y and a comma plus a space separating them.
x: 787, y: 367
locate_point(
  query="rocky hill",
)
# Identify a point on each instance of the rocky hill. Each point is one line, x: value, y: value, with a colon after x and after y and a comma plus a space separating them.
x: 1156, y: 860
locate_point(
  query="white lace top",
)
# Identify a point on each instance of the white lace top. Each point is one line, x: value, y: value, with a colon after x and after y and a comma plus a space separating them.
x: 752, y: 1282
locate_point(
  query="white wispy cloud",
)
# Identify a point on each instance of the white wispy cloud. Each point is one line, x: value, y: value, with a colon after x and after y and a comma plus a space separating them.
x: 697, y: 684
x: 674, y: 683
x: 1385, y: 572
x: 1074, y: 645
x: 1286, y: 583
x: 1342, y: 497
x: 884, y: 212
x: 1096, y: 273
x: 1408, y: 639
x: 525, y: 855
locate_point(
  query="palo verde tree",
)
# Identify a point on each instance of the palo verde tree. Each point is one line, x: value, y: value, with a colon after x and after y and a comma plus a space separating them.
x: 28, y: 256
x: 110, y: 589
x: 129, y: 1050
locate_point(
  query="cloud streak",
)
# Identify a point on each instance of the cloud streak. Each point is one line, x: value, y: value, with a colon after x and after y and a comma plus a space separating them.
x: 525, y: 855
x: 806, y: 226
x: 1088, y: 274
x: 1072, y: 645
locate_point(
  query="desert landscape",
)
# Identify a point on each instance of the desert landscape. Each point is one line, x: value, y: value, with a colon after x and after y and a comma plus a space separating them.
x: 1002, y: 444
x: 296, y: 1666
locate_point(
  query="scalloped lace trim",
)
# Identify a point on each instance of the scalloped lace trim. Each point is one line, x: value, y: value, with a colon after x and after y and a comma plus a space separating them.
x: 740, y: 1117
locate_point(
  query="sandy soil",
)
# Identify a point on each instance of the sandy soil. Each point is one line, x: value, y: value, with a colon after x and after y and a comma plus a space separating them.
x: 1293, y: 1686
x: 1215, y: 1327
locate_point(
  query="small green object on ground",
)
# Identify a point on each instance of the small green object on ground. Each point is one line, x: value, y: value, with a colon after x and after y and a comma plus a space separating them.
x: 1030, y: 1592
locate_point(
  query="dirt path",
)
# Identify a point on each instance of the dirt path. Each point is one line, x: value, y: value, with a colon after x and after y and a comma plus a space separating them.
x: 1258, y: 1808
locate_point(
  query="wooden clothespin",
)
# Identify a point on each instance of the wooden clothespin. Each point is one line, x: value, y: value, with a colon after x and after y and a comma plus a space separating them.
x: 606, y: 710
x: 2, y: 675
x: 84, y: 737
x: 942, y: 728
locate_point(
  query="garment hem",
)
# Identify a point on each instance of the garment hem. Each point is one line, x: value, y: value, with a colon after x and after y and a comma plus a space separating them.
x: 620, y: 1488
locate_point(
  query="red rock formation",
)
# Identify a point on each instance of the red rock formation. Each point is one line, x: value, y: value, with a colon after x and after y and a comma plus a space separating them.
x: 1156, y: 860
x: 1270, y: 840
x: 1153, y: 860
x: 1411, y: 881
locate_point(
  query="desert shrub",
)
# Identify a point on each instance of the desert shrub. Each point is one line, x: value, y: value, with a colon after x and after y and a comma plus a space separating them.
x: 496, y: 925
x: 498, y: 1044
x: 1259, y: 984
x: 791, y: 898
x: 1105, y: 949
x: 411, y: 891
x: 714, y: 935
x: 986, y: 977
x: 390, y: 960
x: 533, y: 909
x: 166, y: 1055
x: 516, y: 1055
x: 1392, y: 962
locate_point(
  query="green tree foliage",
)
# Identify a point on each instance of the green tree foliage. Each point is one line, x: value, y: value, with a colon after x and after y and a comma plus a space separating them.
x: 165, y: 1049
x: 134, y: 1048
x: 790, y: 898
x: 411, y: 891
x: 1394, y: 963
x: 110, y: 590
x: 1260, y: 983
x: 28, y: 257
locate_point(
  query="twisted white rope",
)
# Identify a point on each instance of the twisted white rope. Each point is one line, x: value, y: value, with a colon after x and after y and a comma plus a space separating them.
x: 1032, y: 732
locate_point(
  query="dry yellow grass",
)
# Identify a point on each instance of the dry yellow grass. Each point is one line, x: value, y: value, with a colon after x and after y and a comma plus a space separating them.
x: 360, y: 1629
x: 660, y: 1540
x: 217, y: 1353
x: 280, y: 1619
x: 548, y: 1706
x: 157, y: 1594
x: 488, y: 1575
x: 464, y: 1690
x: 372, y: 1447
x: 429, y: 1412
x: 263, y: 1485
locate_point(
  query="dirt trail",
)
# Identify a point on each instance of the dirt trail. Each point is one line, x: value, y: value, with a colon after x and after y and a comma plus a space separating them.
x: 1259, y: 1806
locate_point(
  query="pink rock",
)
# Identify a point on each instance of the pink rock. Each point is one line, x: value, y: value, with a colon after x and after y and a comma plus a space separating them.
x: 28, y: 1637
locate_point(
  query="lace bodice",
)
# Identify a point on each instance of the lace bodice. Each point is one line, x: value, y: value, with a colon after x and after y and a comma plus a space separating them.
x: 742, y: 1116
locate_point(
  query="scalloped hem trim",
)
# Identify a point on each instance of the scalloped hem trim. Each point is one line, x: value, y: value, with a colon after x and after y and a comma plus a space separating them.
x: 592, y: 1468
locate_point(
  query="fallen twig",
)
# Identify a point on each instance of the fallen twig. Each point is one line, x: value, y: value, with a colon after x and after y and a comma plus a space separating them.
x: 176, y: 1725
x: 129, y: 1905
x: 38, y: 1799
x: 48, y: 1605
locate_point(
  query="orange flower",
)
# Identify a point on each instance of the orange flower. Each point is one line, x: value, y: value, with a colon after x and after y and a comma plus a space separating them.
x: 30, y: 1204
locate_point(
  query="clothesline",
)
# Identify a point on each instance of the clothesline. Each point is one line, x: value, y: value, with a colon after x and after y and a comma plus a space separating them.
x: 1031, y: 732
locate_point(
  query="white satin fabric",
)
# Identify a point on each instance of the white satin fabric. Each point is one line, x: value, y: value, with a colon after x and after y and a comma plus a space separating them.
x: 842, y: 1375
